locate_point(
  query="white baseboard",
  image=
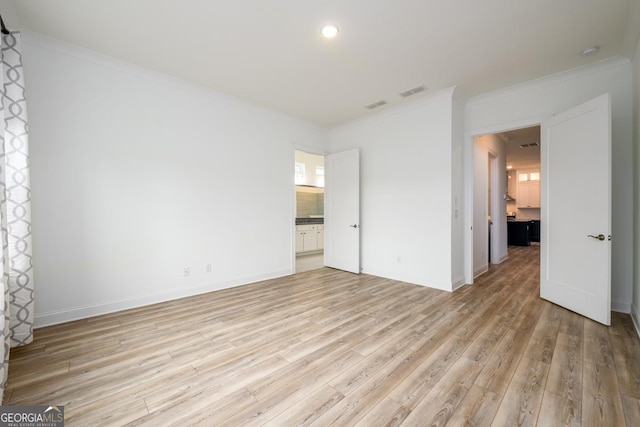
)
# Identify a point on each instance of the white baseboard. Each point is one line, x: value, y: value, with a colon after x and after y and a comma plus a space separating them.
x: 501, y: 260
x: 63, y: 316
x: 621, y: 306
x: 480, y: 271
x: 635, y: 316
x: 458, y: 283
x: 409, y: 279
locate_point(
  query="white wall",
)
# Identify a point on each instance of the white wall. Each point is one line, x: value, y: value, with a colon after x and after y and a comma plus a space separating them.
x: 483, y: 145
x: 311, y: 161
x: 136, y: 175
x: 529, y: 103
x: 406, y: 189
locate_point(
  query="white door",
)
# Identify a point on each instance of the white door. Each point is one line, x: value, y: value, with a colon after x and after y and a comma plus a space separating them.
x: 576, y: 209
x: 342, y: 211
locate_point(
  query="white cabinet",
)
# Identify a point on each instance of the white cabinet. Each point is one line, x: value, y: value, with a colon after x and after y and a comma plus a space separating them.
x: 299, y: 239
x: 528, y: 188
x: 309, y: 237
x: 320, y: 232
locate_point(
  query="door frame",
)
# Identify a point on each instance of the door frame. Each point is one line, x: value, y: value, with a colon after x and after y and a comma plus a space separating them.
x: 292, y: 164
x: 468, y: 182
x: 492, y: 235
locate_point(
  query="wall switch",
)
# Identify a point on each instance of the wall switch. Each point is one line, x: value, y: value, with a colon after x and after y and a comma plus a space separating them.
x: 207, y: 268
x: 185, y: 271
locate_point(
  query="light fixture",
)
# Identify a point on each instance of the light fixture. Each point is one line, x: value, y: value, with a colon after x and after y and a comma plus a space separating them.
x: 329, y: 31
x: 509, y: 167
x: 590, y: 50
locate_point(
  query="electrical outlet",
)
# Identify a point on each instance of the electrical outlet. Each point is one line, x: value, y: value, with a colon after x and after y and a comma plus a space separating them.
x: 207, y: 268
x: 185, y: 271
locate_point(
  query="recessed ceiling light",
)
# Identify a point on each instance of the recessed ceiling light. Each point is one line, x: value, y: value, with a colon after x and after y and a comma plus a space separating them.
x: 589, y: 51
x: 329, y: 31
x: 509, y: 167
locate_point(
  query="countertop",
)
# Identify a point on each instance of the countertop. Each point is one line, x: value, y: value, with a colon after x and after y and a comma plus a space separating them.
x: 301, y: 221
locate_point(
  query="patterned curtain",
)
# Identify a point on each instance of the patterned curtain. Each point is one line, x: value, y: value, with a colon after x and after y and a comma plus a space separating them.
x: 15, y: 206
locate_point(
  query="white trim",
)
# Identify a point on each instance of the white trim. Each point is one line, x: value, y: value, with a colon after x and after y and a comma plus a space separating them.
x: 552, y: 79
x: 503, y: 259
x: 62, y: 316
x: 480, y: 271
x: 442, y: 286
x: 635, y: 316
x: 458, y: 283
x: 468, y: 181
x: 621, y: 306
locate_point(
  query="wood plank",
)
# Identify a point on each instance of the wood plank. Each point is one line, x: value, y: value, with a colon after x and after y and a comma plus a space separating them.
x: 597, y: 344
x: 626, y: 354
x: 521, y: 403
x: 503, y: 362
x: 559, y: 411
x: 622, y: 325
x: 388, y: 413
x: 562, y: 400
x: 631, y: 408
x: 327, y: 347
x: 477, y: 408
x: 307, y: 410
x: 427, y: 374
x: 601, y: 400
x: 543, y: 339
x: 439, y: 405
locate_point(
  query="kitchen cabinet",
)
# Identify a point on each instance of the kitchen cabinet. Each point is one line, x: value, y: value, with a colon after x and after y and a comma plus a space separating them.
x: 511, y: 183
x: 534, y: 230
x: 518, y: 233
x: 320, y: 232
x: 309, y: 237
x: 528, y: 188
x: 523, y: 232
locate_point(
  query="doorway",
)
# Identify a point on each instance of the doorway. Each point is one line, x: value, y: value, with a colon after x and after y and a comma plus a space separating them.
x: 309, y: 211
x: 506, y: 194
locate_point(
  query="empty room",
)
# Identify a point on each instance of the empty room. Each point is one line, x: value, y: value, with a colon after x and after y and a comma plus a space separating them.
x: 285, y: 213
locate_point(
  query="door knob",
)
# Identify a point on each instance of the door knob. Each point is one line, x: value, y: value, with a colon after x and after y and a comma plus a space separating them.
x: 354, y: 225
x: 599, y: 236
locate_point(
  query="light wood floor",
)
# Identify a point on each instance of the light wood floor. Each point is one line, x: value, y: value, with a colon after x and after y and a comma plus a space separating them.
x: 331, y: 348
x: 309, y: 262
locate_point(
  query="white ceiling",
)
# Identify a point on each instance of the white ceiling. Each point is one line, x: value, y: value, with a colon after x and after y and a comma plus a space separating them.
x: 271, y: 52
x: 521, y: 157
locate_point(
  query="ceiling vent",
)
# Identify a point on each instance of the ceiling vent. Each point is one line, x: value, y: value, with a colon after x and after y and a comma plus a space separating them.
x: 533, y: 144
x: 376, y: 105
x: 412, y: 91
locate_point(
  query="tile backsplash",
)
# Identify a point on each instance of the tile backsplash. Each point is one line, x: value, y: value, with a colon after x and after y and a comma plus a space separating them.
x: 309, y: 201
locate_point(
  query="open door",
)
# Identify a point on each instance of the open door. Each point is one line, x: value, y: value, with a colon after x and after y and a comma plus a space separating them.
x: 575, y: 265
x: 342, y: 211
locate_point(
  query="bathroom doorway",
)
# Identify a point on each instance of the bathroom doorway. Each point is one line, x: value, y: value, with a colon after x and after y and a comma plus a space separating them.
x: 309, y: 222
